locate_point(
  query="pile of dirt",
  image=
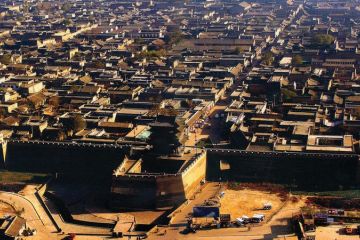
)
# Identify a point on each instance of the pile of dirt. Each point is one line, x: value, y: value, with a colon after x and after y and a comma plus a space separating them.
x: 248, y: 202
x: 335, y: 202
x: 279, y: 190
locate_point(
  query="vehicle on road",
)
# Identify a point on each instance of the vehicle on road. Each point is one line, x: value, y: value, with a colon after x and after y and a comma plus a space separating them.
x: 225, y: 220
x: 349, y: 230
x: 267, y: 206
x: 242, y: 220
x: 257, y: 218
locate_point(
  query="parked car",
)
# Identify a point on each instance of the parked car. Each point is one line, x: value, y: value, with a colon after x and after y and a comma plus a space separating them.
x: 267, y: 206
x: 242, y: 220
x: 225, y: 220
x: 257, y: 218
x: 239, y: 221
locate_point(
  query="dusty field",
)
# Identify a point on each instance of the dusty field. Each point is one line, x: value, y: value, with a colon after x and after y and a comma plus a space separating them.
x: 23, y: 177
x: 248, y: 202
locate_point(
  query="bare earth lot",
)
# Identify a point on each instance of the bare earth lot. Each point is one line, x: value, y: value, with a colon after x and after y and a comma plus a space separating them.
x: 244, y: 200
x: 333, y: 232
x: 248, y: 202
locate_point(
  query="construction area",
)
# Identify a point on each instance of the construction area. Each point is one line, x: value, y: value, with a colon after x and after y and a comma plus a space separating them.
x: 334, y: 232
x: 329, y: 218
x: 243, y: 205
x: 248, y: 202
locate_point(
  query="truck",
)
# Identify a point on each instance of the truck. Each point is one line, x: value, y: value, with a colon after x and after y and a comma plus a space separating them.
x: 267, y: 206
x: 225, y: 220
x: 242, y: 220
x: 257, y: 218
x: 239, y: 221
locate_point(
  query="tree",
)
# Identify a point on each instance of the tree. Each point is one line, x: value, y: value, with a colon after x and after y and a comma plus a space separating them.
x: 238, y: 50
x: 5, y: 59
x: 79, y: 123
x: 2, y: 113
x: 76, y: 123
x: 66, y: 7
x: 322, y: 40
x: 54, y: 101
x: 61, y: 136
x: 26, y: 7
x: 174, y: 38
x: 98, y: 64
x: 288, y: 94
x: 153, y: 54
x: 268, y: 58
x: 297, y: 60
x: 68, y: 22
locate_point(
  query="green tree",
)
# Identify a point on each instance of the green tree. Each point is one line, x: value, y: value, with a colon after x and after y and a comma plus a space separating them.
x: 54, y: 101
x: 288, y: 94
x: 98, y: 64
x: 66, y: 7
x: 322, y: 40
x: 153, y: 54
x: 297, y: 60
x: 68, y: 22
x: 2, y: 113
x: 61, y: 136
x: 76, y: 123
x: 174, y: 38
x: 79, y: 123
x: 5, y: 59
x: 268, y: 58
x: 26, y: 7
x: 238, y: 50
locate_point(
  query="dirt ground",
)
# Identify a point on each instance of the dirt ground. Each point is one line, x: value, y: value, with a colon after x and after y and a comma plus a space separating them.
x: 248, y: 202
x: 334, y: 232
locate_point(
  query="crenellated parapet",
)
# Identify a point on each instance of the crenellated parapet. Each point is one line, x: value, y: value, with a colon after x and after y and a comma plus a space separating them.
x: 69, y: 144
x: 157, y: 189
x: 64, y: 157
x: 308, y: 169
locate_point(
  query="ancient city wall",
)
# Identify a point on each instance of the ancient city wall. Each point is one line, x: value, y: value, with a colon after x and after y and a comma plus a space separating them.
x: 303, y: 169
x: 63, y: 157
x: 158, y: 190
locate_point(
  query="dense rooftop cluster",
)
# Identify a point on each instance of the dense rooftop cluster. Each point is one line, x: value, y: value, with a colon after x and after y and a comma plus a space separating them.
x: 145, y: 73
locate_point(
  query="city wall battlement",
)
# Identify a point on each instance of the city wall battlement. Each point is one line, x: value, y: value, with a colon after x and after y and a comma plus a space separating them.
x: 62, y: 157
x: 165, y: 189
x: 284, y: 167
